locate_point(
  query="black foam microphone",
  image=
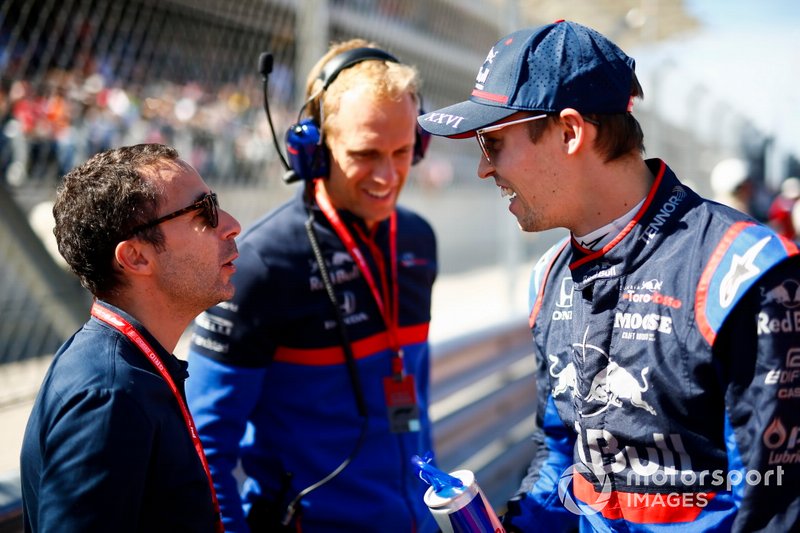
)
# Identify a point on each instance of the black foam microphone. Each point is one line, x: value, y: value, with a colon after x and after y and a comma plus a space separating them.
x: 265, y: 65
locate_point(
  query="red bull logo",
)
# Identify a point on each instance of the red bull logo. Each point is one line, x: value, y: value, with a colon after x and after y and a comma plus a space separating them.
x: 603, y: 453
x: 565, y: 380
x: 613, y: 384
x: 786, y: 294
x: 788, y: 323
x: 609, y: 386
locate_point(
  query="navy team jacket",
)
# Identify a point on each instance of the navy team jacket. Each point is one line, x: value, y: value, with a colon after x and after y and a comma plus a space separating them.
x: 269, y: 385
x: 106, y: 447
x: 668, y: 375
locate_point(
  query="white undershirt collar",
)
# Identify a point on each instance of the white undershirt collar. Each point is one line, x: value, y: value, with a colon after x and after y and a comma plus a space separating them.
x: 597, y: 239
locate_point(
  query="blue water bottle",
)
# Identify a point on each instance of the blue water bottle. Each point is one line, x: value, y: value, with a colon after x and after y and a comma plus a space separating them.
x: 455, y: 500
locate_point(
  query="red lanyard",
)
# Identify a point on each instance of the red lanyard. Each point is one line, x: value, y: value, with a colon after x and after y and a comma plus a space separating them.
x: 389, y: 308
x: 123, y: 326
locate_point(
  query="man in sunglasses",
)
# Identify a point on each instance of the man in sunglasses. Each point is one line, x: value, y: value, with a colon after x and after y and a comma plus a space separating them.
x: 110, y: 444
x: 666, y: 326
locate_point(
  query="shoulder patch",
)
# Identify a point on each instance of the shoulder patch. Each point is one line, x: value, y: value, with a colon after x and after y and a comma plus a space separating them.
x: 744, y: 253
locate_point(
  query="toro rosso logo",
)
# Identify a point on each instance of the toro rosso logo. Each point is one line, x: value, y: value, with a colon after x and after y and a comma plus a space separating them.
x: 483, y: 73
x: 652, y: 285
x: 650, y: 292
x: 337, y: 260
x: 341, y: 268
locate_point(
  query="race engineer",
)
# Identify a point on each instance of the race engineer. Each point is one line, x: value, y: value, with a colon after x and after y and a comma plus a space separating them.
x: 314, y: 377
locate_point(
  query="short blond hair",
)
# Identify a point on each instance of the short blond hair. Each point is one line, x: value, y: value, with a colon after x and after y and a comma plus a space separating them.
x: 387, y: 81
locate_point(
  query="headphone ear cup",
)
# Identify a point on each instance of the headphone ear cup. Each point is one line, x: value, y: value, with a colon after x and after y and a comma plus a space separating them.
x: 421, y: 142
x: 308, y: 156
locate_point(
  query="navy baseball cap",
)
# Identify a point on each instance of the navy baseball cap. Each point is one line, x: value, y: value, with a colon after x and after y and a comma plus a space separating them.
x: 544, y: 69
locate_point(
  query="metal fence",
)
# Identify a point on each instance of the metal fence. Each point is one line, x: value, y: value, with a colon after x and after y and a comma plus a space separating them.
x: 81, y: 76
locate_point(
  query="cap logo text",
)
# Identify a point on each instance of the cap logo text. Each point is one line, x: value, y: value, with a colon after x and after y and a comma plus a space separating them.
x: 444, y: 118
x: 483, y: 72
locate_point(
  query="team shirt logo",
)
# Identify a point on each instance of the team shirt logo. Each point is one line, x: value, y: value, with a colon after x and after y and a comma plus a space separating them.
x: 742, y: 269
x: 787, y: 294
x: 609, y: 386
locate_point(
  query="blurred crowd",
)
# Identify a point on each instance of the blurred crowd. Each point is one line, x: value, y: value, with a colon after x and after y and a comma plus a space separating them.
x: 733, y: 184
x: 47, y: 127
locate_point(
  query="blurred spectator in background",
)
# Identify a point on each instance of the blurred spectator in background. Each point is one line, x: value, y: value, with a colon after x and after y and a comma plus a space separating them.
x: 732, y: 185
x: 5, y: 147
x: 69, y: 115
x: 796, y: 215
x: 779, y: 215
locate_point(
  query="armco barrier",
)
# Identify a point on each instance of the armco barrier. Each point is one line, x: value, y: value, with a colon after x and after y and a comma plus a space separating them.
x: 10, y: 504
x: 483, y: 407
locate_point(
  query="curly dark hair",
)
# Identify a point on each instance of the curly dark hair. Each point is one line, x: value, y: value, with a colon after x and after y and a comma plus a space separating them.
x: 97, y: 206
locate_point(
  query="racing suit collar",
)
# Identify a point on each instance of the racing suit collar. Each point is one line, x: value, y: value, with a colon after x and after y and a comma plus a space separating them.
x: 658, y: 219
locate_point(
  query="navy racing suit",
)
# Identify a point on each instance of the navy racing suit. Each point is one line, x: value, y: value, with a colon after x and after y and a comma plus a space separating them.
x: 269, y: 386
x: 668, y: 375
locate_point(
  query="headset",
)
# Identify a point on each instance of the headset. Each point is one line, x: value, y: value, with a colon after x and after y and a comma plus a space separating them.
x: 305, y: 146
x: 308, y: 160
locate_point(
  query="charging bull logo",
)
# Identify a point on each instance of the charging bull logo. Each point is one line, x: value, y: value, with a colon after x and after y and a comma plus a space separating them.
x: 566, y: 380
x: 337, y: 260
x: 652, y: 285
x: 609, y: 386
x: 786, y: 294
x: 614, y: 383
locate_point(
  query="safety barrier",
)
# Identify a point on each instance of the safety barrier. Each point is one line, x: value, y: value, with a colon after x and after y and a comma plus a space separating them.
x: 483, y: 407
x: 10, y: 504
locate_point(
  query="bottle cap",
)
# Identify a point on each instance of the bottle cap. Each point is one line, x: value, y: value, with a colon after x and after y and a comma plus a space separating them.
x: 434, y: 477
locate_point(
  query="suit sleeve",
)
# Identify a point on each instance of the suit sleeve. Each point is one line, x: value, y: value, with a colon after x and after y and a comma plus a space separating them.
x: 760, y: 349
x: 537, y: 505
x: 221, y: 398
x: 96, y: 457
x: 230, y: 349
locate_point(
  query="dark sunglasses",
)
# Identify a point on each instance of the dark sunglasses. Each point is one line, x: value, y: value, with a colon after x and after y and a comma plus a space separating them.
x: 208, y: 203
